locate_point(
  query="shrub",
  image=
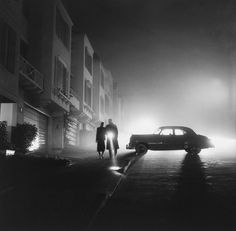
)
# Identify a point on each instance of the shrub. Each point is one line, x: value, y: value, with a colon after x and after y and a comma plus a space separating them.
x: 3, y: 135
x: 23, y: 135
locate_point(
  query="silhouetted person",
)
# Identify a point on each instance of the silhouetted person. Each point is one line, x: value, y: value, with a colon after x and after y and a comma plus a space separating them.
x: 100, y: 139
x: 112, y: 138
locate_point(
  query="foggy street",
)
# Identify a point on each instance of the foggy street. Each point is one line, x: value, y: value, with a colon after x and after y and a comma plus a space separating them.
x: 161, y: 190
x: 172, y: 190
x: 117, y: 115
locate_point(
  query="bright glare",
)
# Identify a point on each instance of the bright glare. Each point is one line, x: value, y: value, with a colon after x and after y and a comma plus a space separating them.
x: 114, y: 168
x: 123, y: 139
x: 10, y: 152
x: 34, y: 144
x: 110, y: 135
x: 223, y: 143
x: 143, y: 125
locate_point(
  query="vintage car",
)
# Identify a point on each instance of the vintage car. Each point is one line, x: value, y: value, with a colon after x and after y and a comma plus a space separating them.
x: 170, y: 138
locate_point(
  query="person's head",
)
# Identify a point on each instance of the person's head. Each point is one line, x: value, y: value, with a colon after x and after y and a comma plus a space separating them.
x: 102, y: 124
x: 110, y: 121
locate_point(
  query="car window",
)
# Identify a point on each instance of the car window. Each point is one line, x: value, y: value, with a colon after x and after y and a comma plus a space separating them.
x: 179, y: 132
x: 166, y: 132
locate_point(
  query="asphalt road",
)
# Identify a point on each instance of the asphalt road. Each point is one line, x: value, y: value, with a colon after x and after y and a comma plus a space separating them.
x: 172, y: 190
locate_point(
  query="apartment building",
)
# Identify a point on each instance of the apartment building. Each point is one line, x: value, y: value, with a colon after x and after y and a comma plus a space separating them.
x: 82, y: 85
x: 99, y: 90
x: 108, y: 94
x: 118, y: 110
x: 50, y: 43
x: 50, y: 76
x: 103, y: 92
x: 40, y: 45
x: 12, y: 28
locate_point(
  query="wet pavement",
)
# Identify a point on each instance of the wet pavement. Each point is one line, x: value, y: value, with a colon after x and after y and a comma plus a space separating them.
x: 172, y: 190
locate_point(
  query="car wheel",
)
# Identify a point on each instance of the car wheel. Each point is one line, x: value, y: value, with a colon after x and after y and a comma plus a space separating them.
x: 141, y: 149
x: 186, y: 147
x: 195, y: 150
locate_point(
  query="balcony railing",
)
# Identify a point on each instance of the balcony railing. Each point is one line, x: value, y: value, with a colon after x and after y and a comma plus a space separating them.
x: 74, y: 99
x: 61, y: 95
x: 32, y: 79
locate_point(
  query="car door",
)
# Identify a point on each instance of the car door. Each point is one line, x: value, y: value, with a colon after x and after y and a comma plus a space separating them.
x: 166, y: 138
x: 179, y: 138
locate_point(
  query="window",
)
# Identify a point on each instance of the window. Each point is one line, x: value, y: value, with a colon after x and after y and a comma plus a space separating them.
x: 88, y: 93
x: 88, y: 61
x: 62, y: 29
x: 179, y: 132
x: 102, y: 79
x: 61, y: 76
x: 167, y: 132
x: 7, y: 47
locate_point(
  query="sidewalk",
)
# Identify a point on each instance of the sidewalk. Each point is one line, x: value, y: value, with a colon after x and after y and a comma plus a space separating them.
x: 62, y: 198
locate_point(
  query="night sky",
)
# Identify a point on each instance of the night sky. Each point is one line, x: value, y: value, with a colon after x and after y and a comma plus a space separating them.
x: 169, y: 57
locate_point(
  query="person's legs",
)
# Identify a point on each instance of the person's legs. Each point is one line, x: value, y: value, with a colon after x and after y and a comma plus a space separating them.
x: 110, y: 153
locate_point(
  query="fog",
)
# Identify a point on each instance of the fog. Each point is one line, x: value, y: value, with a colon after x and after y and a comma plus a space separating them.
x: 173, y: 60
x: 188, y: 86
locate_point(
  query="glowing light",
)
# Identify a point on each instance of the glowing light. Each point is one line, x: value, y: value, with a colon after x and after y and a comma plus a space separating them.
x: 10, y: 152
x: 34, y: 144
x: 114, y: 168
x: 123, y: 139
x: 110, y: 135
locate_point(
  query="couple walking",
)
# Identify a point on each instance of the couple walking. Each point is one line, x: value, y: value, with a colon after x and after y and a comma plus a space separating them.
x: 111, y: 133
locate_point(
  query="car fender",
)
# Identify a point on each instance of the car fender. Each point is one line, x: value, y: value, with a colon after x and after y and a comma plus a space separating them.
x: 144, y: 143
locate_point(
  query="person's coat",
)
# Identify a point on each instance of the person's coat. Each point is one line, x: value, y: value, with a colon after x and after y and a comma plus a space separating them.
x: 100, y: 139
x: 112, y: 128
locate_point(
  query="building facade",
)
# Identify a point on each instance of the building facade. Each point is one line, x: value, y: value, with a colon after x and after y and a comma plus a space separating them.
x: 50, y: 77
x: 12, y: 27
x: 118, y: 107
x: 41, y: 49
x: 82, y: 84
x: 103, y: 92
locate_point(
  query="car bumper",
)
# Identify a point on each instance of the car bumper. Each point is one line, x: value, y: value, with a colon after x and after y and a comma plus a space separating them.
x: 128, y: 146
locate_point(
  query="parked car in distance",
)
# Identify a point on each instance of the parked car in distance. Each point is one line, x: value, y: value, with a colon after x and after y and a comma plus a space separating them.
x: 170, y: 138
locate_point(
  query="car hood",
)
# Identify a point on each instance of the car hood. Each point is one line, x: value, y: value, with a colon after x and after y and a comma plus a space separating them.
x: 206, y: 140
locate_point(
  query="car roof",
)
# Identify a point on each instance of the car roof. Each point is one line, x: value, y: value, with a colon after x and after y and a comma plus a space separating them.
x: 181, y: 127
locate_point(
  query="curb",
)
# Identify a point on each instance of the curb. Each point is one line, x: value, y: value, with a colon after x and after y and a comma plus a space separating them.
x: 109, y: 195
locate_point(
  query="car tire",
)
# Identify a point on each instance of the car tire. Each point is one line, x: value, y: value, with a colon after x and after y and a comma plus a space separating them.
x: 141, y: 149
x: 186, y: 147
x: 193, y: 150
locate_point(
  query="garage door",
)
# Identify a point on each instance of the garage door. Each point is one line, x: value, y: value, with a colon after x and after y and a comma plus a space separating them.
x: 71, y: 128
x: 41, y: 121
